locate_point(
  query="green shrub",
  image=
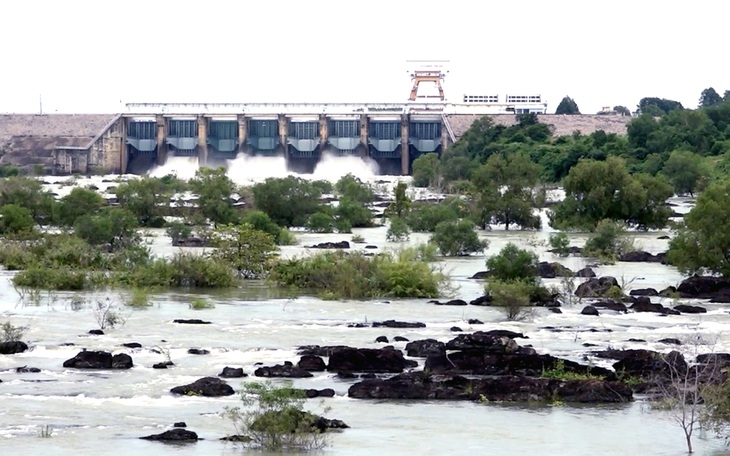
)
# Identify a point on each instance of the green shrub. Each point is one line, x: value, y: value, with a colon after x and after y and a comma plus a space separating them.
x: 15, y: 219
x: 608, y: 241
x: 200, y: 304
x: 320, y: 222
x: 512, y: 296
x: 261, y: 221
x: 52, y: 278
x: 356, y: 214
x: 457, y: 238
x: 139, y: 298
x: 398, y: 230
x: 15, y: 256
x: 178, y: 231
x: 513, y: 263
x: 11, y: 333
x: 357, y: 239
x: 273, y: 419
x: 356, y: 276
x: 184, y: 270
x: 560, y: 243
x: 558, y: 372
x: 424, y: 217
x: 286, y: 237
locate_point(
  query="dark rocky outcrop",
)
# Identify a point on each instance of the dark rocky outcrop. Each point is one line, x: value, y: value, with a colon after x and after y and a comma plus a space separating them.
x: 589, y: 310
x: 610, y: 305
x: 398, y: 324
x: 643, y: 304
x: 96, y: 332
x: 474, y: 321
x: 286, y: 370
x: 206, y: 386
x: 455, y: 329
x: 585, y: 272
x: 27, y: 370
x: 180, y: 424
x: 12, y: 347
x: 400, y: 339
x: 453, y: 302
x: 596, y: 287
x: 670, y: 341
x: 668, y: 292
x: 330, y: 245
x: 174, y: 435
x: 382, y: 360
x: 644, y: 292
x: 191, y: 321
x: 425, y: 347
x: 132, y: 345
x: 192, y: 241
x: 316, y: 350
x: 99, y: 360
x: 686, y: 308
x: 643, y: 257
x: 163, y: 365
x: 483, y: 342
x: 507, y: 388
x: 552, y: 270
x: 647, y: 364
x: 485, y: 300
x: 382, y: 340
x: 198, y: 351
x: 716, y: 289
x: 311, y: 363
x: 481, y: 275
x: 232, y: 372
x: 326, y: 392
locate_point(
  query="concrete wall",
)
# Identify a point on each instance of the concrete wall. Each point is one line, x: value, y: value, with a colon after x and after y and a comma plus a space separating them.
x: 107, y: 151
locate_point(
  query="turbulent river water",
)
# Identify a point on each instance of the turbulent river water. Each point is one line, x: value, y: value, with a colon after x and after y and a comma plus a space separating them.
x: 95, y: 412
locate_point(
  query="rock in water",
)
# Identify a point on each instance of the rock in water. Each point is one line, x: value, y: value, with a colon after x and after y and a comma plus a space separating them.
x: 174, y: 435
x: 12, y: 347
x: 206, y: 386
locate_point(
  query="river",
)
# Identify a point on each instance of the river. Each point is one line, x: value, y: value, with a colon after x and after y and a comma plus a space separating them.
x: 92, y: 412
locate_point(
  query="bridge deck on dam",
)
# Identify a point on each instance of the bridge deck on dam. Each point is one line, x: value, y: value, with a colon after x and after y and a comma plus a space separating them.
x: 560, y: 124
x: 30, y: 138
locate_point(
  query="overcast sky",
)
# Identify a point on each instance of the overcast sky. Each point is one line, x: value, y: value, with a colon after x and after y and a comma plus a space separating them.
x: 90, y: 56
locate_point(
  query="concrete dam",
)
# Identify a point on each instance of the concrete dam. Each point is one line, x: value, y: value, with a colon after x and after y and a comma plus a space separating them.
x: 392, y: 134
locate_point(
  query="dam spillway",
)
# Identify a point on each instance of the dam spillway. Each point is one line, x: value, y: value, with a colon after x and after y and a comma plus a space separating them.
x: 392, y: 134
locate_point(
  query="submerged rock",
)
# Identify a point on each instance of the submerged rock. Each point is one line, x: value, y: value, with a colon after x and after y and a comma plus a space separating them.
x: 552, y: 270
x: 287, y: 370
x: 330, y: 245
x: 686, y: 308
x: 589, y: 310
x: 232, y: 372
x: 382, y: 360
x: 596, y: 287
x: 716, y: 289
x: 191, y: 321
x: 398, y: 324
x: 312, y: 363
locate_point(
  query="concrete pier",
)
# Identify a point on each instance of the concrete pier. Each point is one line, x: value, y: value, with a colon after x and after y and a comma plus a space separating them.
x: 161, y: 140
x: 404, y: 146
x: 202, y: 141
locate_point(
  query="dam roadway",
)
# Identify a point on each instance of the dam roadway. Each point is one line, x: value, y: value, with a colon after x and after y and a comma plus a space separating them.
x: 393, y: 134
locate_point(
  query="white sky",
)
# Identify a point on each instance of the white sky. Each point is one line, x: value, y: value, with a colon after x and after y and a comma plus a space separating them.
x: 87, y: 56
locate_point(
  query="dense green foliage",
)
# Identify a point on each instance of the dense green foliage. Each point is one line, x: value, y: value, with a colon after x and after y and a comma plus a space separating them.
x: 424, y: 217
x: 28, y: 193
x: 702, y: 243
x: 513, y: 263
x: 686, y: 171
x: 355, y: 276
x: 248, y: 250
x: 80, y: 202
x: 567, y: 106
x: 607, y: 242
x: 353, y: 189
x: 597, y: 190
x: 457, y: 238
x: 15, y: 219
x: 513, y: 296
x: 148, y: 197
x: 426, y: 171
x: 506, y: 191
x: 288, y: 201
x: 215, y: 189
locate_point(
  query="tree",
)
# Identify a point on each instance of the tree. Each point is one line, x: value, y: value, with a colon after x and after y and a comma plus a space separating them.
x: 27, y: 192
x: 658, y: 106
x: 512, y: 296
x: 354, y: 213
x: 321, y: 222
x: 146, y: 198
x: 215, y: 189
x: 246, y: 249
x: 427, y: 171
x: 113, y: 226
x: 288, y: 201
x: 623, y: 110
x: 567, y: 106
x: 398, y: 230
x: 81, y: 201
x: 15, y: 219
x: 709, y: 97
x: 607, y: 242
x: 401, y: 202
x: 351, y: 187
x: 597, y: 190
x: 506, y: 191
x: 685, y: 170
x: 261, y: 221
x: 701, y: 243
x: 457, y: 238
x: 424, y: 216
x: 513, y: 263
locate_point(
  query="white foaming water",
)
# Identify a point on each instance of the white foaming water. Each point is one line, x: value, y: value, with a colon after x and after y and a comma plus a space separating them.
x: 332, y: 167
x: 182, y: 167
x: 247, y: 169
